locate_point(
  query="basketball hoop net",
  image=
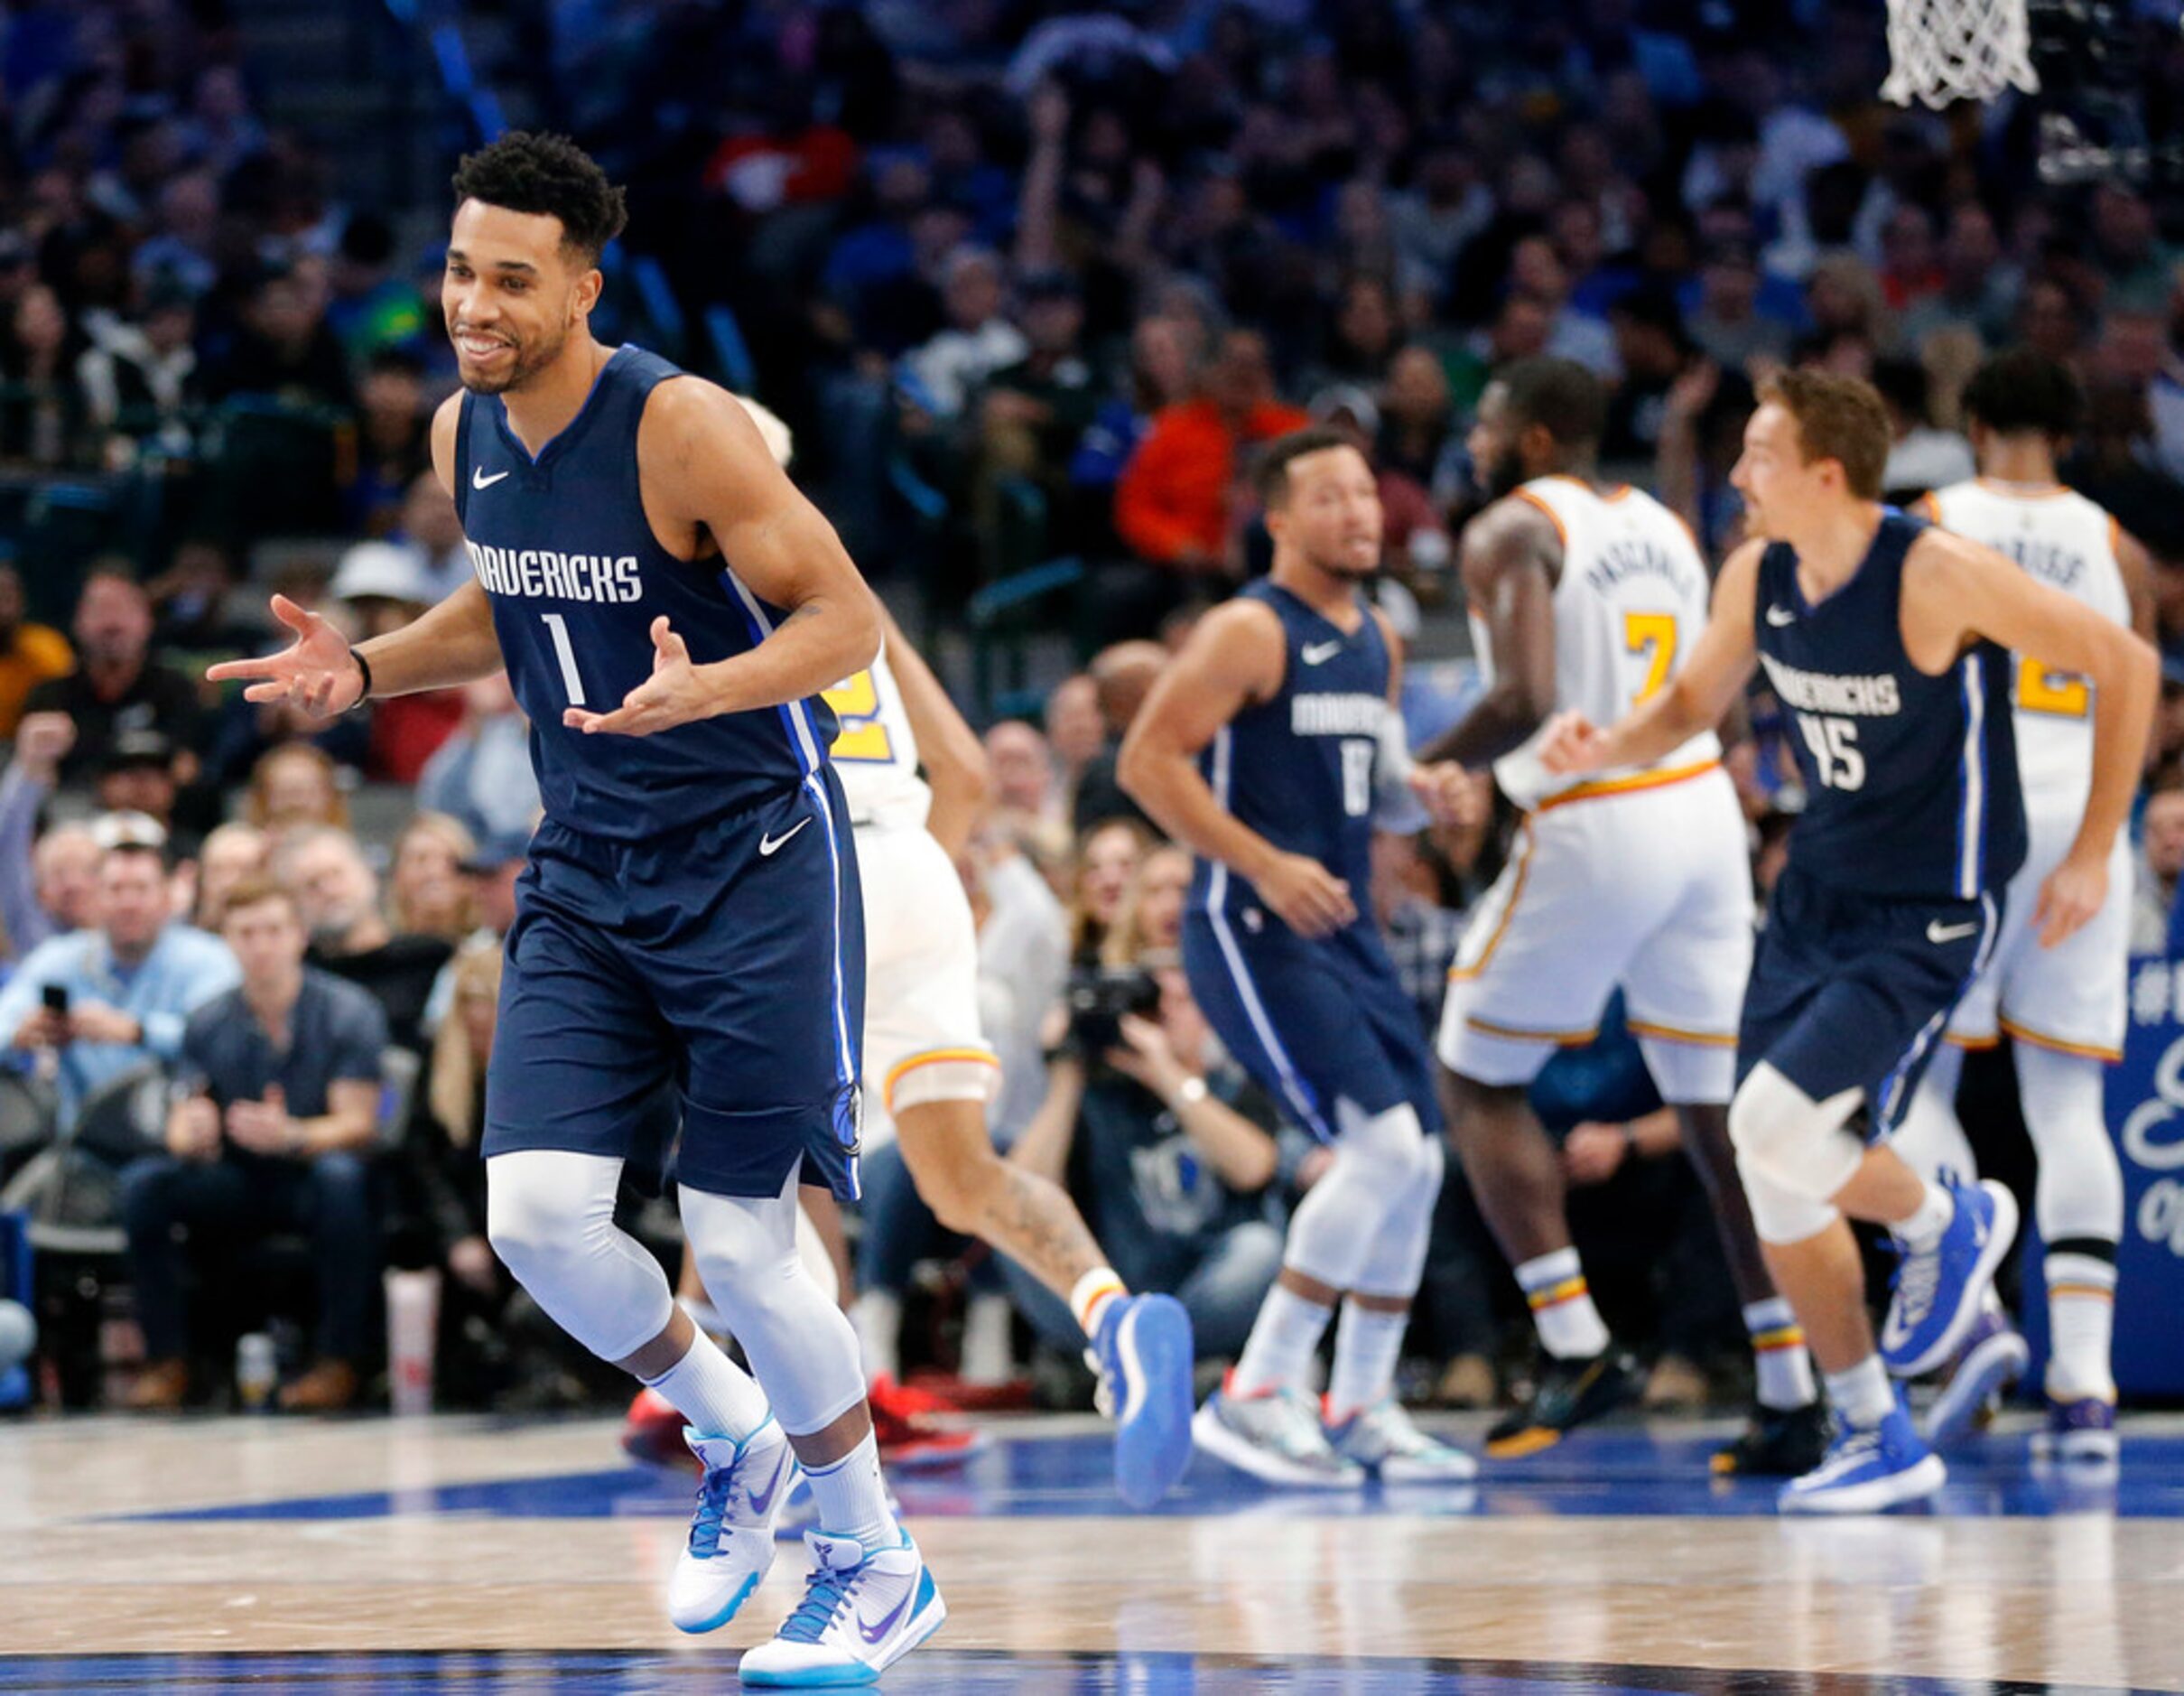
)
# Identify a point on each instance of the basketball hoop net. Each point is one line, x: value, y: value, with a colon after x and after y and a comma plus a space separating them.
x: 1942, y: 50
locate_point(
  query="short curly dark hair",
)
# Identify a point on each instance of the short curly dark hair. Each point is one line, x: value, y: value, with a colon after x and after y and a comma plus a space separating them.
x: 2020, y: 391
x: 527, y: 171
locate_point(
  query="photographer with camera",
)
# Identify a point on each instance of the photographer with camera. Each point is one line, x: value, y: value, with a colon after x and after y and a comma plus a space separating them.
x: 1166, y: 1147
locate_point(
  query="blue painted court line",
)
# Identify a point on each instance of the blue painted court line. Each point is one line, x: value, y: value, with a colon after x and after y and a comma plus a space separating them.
x: 976, y: 1673
x: 1604, y: 1472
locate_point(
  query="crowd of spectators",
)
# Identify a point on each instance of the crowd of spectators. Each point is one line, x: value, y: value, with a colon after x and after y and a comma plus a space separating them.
x: 1030, y: 283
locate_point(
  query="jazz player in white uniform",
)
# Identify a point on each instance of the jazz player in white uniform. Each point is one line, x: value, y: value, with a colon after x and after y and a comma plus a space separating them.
x: 2063, y: 1008
x: 928, y: 1066
x: 1586, y: 597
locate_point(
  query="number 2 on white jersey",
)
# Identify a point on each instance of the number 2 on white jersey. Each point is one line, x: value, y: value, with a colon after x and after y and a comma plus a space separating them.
x: 863, y: 735
x: 2063, y: 694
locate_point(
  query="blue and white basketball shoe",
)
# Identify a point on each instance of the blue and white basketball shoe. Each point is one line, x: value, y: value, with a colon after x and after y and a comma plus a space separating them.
x: 1994, y: 1358
x: 2080, y: 1432
x: 1938, y: 1291
x: 1867, y: 1469
x: 731, y: 1537
x: 1387, y: 1442
x: 862, y: 1613
x: 1143, y: 1356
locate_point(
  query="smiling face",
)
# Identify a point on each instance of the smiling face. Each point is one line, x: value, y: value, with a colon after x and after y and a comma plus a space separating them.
x: 514, y: 292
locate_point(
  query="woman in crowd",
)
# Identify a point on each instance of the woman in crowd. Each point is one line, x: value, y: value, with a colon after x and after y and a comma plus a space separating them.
x: 427, y: 894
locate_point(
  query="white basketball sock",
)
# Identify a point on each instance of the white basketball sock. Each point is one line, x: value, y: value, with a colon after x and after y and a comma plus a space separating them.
x: 1570, y: 1325
x: 1923, y: 1229
x: 2081, y: 1317
x: 1861, y: 1394
x: 1278, y: 1356
x: 853, y: 1499
x: 717, y: 1396
x: 1778, y: 1360
x: 1368, y: 1342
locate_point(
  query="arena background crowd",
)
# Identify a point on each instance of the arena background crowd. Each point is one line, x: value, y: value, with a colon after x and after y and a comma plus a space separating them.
x: 1028, y: 283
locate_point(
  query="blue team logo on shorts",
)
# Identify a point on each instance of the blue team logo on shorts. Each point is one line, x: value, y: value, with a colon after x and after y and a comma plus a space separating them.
x: 850, y: 1117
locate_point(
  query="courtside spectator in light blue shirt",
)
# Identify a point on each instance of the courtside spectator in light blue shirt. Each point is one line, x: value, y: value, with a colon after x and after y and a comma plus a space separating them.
x: 131, y: 984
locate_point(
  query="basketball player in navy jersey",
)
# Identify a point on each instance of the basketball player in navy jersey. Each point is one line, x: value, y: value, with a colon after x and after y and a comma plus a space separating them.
x: 1264, y: 747
x: 1887, y: 641
x: 668, y: 609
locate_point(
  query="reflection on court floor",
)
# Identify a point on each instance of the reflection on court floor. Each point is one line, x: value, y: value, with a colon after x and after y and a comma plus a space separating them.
x: 468, y: 1555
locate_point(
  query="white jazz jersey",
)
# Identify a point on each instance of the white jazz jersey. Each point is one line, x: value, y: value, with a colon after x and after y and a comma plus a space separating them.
x: 1638, y: 877
x: 1630, y: 602
x: 875, y: 751
x: 923, y: 1040
x: 2068, y: 543
x: 2070, y: 997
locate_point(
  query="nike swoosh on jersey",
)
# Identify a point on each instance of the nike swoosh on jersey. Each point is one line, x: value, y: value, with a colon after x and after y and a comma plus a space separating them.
x: 1781, y: 617
x: 1938, y: 932
x: 479, y: 480
x: 769, y: 846
x: 1318, y: 652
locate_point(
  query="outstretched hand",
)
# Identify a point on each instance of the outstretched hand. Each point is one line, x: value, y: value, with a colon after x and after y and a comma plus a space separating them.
x: 675, y: 694
x: 317, y: 672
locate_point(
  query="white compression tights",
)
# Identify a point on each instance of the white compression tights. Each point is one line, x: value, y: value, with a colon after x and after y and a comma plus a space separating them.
x: 1344, y: 1225
x: 550, y: 1216
x: 2081, y: 1192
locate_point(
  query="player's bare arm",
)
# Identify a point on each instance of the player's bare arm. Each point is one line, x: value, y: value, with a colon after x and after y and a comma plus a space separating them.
x: 1234, y: 659
x: 1696, y: 699
x: 452, y: 643
x: 954, y: 759
x: 710, y: 482
x: 1511, y: 559
x: 1956, y: 592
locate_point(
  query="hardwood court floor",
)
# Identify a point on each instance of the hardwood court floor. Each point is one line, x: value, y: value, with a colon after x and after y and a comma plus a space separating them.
x: 458, y: 1554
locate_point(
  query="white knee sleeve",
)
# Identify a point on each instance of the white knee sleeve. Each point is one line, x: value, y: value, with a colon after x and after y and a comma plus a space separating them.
x: 1397, y: 1259
x: 549, y: 1217
x: 2080, y: 1191
x: 1334, y: 1231
x: 1931, y: 1137
x: 1792, y: 1154
x: 801, y: 1348
x: 811, y: 1250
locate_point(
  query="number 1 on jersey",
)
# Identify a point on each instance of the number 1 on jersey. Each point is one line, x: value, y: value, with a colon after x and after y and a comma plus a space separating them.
x: 1652, y: 634
x: 565, y: 651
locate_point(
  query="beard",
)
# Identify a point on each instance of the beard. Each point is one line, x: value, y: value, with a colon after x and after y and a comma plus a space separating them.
x: 530, y: 359
x: 1503, y: 475
x: 1337, y: 563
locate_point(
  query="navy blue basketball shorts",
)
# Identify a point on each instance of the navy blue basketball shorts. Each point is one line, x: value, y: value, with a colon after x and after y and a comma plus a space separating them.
x: 726, y: 958
x: 1314, y: 1022
x: 1851, y: 991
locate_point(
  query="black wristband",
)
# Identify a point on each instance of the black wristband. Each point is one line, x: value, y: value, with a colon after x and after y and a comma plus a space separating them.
x: 365, y: 666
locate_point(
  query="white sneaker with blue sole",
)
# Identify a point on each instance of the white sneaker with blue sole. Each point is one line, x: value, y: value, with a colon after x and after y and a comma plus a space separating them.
x: 862, y: 1613
x: 1143, y: 1356
x: 1994, y: 1358
x: 1868, y: 1469
x: 731, y: 1537
x: 1939, y: 1291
